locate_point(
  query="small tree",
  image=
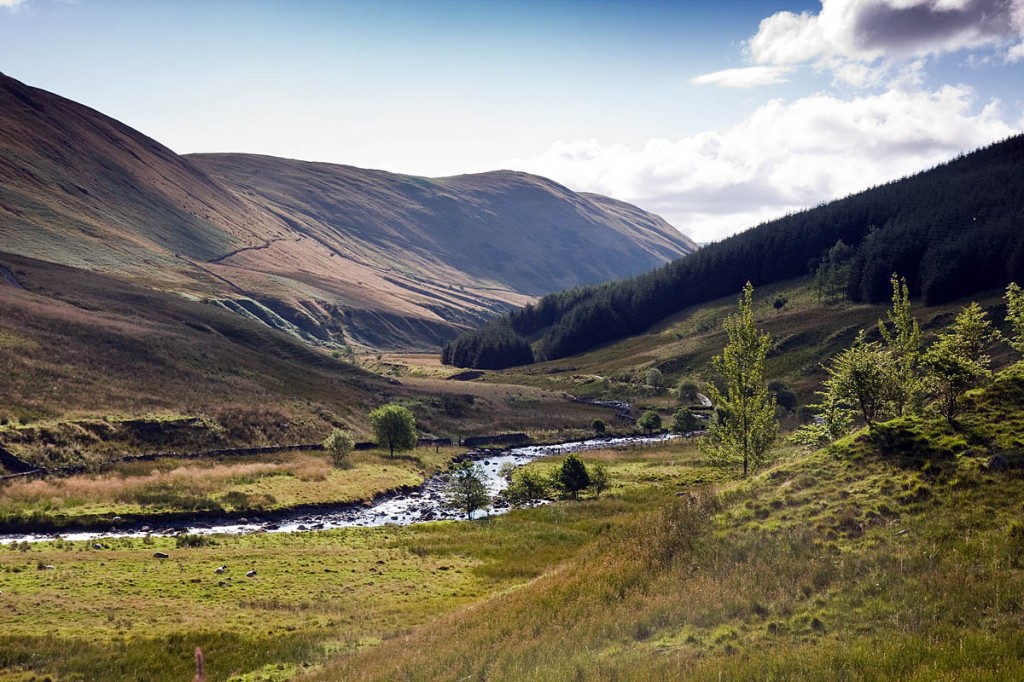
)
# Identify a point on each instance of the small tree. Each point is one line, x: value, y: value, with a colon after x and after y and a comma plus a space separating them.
x: 394, y: 427
x: 338, y: 445
x: 687, y: 390
x: 957, y: 361
x: 599, y: 481
x: 466, y: 491
x: 655, y: 378
x: 649, y: 421
x: 747, y: 427
x: 1015, y: 315
x: 598, y: 426
x: 572, y: 477
x: 862, y: 377
x: 526, y: 486
x: 685, y: 421
x: 904, y: 344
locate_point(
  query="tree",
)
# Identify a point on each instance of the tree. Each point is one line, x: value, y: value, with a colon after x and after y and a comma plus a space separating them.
x: 831, y: 422
x: 466, y: 491
x: 572, y: 477
x: 687, y: 390
x: 525, y: 486
x: 863, y: 378
x: 394, y: 427
x: 748, y: 426
x: 904, y: 345
x: 599, y: 480
x: 957, y: 361
x: 339, y: 444
x: 598, y: 426
x: 685, y: 421
x: 1015, y: 315
x: 655, y: 378
x: 649, y: 421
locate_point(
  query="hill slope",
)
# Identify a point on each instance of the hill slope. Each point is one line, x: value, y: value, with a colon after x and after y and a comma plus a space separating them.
x: 325, y: 252
x: 951, y: 231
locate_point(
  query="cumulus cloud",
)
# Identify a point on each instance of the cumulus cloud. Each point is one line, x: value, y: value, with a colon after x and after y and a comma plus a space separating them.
x: 863, y: 42
x: 11, y: 4
x: 747, y: 77
x: 784, y: 157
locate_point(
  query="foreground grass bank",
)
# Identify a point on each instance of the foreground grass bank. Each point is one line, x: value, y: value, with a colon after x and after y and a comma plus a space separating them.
x: 884, y: 557
x: 892, y: 555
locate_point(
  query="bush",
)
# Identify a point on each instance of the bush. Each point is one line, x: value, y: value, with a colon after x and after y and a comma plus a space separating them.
x: 572, y: 477
x: 687, y: 390
x: 598, y: 426
x: 338, y: 445
x: 685, y: 421
x: 650, y: 421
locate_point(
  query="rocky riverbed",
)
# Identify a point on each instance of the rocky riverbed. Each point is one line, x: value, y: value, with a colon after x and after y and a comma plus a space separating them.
x: 423, y: 504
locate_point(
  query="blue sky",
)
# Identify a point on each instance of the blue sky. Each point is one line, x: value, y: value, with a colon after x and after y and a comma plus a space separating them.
x: 716, y: 115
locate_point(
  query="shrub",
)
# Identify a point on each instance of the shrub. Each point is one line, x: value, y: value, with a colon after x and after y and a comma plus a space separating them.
x: 338, y: 445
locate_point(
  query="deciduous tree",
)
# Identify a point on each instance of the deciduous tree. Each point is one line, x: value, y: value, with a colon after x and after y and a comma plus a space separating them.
x: 466, y: 491
x: 338, y: 445
x: 649, y: 421
x: 747, y: 427
x: 394, y: 427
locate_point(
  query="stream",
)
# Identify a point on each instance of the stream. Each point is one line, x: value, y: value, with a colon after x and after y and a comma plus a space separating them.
x: 422, y: 504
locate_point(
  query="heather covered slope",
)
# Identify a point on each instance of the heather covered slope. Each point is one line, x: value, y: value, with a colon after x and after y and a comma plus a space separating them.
x: 343, y: 255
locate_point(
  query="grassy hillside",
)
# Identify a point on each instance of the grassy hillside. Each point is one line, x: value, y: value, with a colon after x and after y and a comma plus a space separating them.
x: 805, y: 332
x: 333, y: 254
x: 951, y: 231
x: 92, y: 366
x: 893, y: 556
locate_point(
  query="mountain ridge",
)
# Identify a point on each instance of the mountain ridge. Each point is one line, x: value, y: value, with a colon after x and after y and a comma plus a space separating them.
x: 352, y: 256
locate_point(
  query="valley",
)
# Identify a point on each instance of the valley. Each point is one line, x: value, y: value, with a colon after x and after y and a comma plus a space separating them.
x: 325, y: 422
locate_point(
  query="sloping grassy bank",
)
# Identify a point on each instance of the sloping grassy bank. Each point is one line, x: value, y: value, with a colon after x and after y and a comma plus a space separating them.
x: 880, y: 558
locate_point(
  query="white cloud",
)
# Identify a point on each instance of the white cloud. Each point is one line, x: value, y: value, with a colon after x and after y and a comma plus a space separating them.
x: 784, y: 157
x: 11, y: 4
x: 862, y: 40
x: 747, y: 77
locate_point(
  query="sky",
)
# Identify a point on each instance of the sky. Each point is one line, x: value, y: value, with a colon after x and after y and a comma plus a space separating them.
x: 716, y: 115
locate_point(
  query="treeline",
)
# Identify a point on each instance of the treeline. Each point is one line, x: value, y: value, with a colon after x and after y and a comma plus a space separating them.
x: 951, y: 231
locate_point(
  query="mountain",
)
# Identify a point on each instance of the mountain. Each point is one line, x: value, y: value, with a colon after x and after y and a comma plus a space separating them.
x: 951, y: 231
x: 332, y: 254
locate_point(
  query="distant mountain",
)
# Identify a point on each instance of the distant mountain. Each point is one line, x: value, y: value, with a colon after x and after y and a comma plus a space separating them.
x: 952, y: 231
x: 332, y: 254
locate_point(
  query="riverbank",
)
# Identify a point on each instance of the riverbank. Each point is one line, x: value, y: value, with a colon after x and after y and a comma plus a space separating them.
x: 407, y: 503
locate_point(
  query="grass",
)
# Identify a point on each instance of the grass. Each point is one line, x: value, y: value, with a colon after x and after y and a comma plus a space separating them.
x: 870, y: 560
x: 118, y: 613
x: 851, y: 563
x: 237, y: 484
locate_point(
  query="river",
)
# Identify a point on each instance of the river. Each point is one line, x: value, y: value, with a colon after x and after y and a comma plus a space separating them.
x: 422, y: 504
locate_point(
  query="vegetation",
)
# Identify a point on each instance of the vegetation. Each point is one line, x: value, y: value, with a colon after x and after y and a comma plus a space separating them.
x: 338, y: 445
x: 394, y: 427
x: 572, y: 476
x: 914, y: 226
x: 685, y: 421
x: 649, y: 421
x: 957, y: 361
x: 746, y: 427
x: 466, y: 491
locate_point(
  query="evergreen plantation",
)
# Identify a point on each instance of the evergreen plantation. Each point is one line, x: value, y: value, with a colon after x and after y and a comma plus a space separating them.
x: 951, y: 231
